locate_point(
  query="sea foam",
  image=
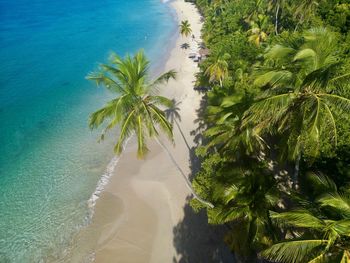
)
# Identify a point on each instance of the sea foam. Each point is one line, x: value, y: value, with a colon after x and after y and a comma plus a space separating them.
x: 104, y: 180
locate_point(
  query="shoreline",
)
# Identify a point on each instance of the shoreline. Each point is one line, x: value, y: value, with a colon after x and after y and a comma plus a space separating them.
x: 136, y: 212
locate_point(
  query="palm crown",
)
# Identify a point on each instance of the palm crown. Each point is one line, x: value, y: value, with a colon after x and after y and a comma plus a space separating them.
x: 136, y: 109
x: 321, y: 228
x: 185, y: 28
x: 303, y: 94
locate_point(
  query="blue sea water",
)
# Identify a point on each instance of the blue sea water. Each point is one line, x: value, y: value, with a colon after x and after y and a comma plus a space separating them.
x: 50, y: 162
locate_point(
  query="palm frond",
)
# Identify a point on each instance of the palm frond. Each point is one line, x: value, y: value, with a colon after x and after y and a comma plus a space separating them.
x: 338, y: 202
x: 321, y: 258
x: 293, y: 251
x: 220, y: 215
x: 161, y: 100
x: 297, y: 218
x: 336, y: 101
x: 274, y: 78
x: 125, y: 132
x: 305, y: 54
x: 109, y: 111
x: 159, y: 118
x: 321, y: 182
x: 268, y: 109
x: 280, y: 51
x: 342, y: 227
x: 346, y: 257
x: 109, y: 83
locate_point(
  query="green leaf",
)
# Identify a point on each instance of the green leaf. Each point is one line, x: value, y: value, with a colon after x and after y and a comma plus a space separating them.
x: 293, y: 251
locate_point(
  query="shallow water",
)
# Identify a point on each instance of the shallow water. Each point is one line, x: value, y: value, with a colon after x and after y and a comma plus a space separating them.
x: 50, y: 163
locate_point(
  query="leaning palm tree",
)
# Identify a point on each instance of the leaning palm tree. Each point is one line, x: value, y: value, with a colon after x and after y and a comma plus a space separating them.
x: 137, y: 109
x: 304, y: 93
x: 185, y: 28
x: 137, y: 106
x: 321, y: 229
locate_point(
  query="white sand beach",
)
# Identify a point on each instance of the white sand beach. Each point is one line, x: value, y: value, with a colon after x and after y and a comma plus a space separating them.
x: 145, y: 199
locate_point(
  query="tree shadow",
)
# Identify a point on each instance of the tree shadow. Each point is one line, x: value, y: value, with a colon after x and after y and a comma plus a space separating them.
x: 173, y: 115
x: 198, y: 242
x: 185, y: 46
x: 195, y: 240
x: 200, y: 123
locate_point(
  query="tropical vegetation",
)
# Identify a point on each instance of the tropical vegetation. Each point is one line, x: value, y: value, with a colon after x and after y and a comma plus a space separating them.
x: 274, y: 139
x: 275, y: 147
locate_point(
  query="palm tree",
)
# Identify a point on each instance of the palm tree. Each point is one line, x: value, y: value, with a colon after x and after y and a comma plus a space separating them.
x: 322, y: 228
x: 303, y: 96
x: 185, y: 28
x: 136, y: 109
x: 242, y: 197
x: 218, y: 70
x: 227, y: 135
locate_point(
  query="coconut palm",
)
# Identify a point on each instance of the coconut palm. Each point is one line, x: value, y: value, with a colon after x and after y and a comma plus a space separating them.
x: 218, y: 70
x: 242, y: 197
x: 137, y: 109
x: 185, y: 28
x: 227, y: 135
x: 303, y: 96
x: 322, y: 228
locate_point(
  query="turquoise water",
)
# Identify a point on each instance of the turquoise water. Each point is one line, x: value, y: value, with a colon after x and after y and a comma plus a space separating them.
x: 50, y: 163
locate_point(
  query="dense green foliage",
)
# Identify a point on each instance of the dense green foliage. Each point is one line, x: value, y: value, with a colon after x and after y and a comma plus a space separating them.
x: 276, y: 120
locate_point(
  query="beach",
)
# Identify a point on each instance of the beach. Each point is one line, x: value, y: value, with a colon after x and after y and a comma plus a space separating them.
x: 136, y: 214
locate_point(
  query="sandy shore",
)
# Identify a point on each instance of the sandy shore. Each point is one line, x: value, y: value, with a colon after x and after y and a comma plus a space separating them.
x: 145, y: 200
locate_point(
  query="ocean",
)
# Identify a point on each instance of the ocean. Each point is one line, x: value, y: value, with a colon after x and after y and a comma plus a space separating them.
x: 50, y: 162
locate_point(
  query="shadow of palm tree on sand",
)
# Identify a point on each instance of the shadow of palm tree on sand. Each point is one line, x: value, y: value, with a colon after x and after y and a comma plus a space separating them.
x: 194, y: 239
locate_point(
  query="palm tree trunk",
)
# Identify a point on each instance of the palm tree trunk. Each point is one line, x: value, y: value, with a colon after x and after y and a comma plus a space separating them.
x: 276, y: 18
x: 188, y: 183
